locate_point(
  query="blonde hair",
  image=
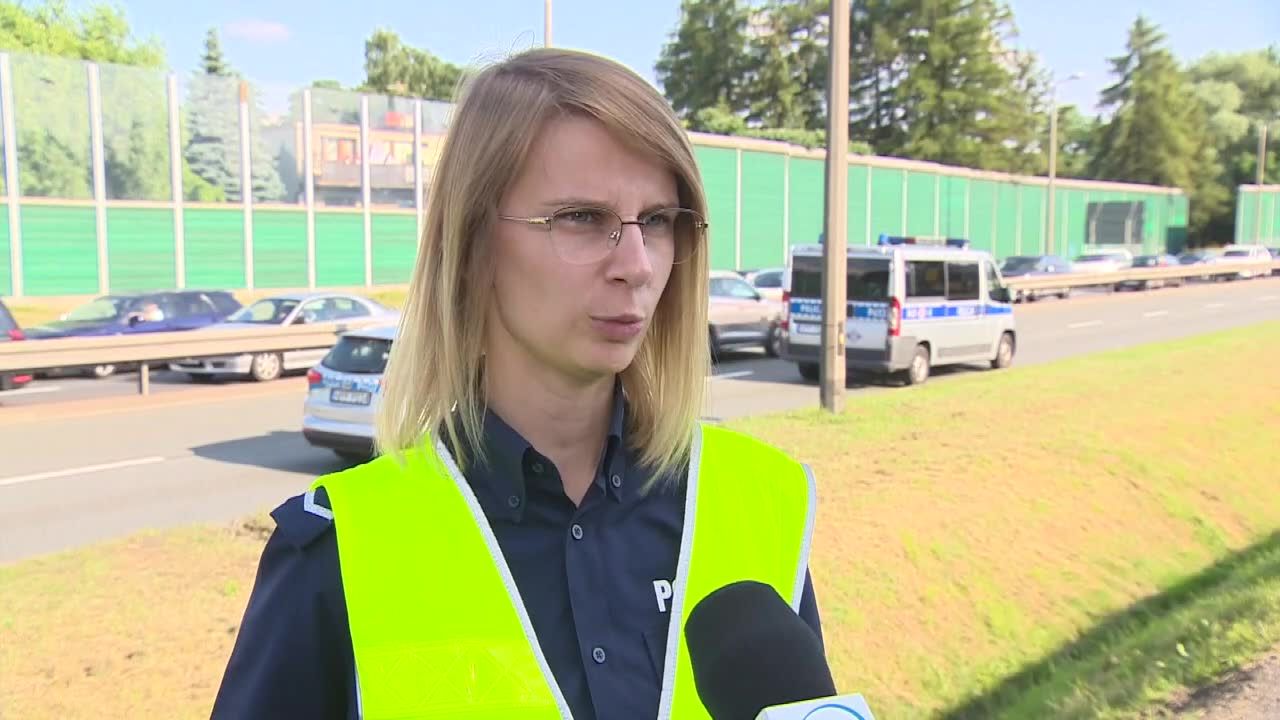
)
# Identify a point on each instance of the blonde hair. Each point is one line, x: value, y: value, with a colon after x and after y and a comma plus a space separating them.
x: 433, y: 378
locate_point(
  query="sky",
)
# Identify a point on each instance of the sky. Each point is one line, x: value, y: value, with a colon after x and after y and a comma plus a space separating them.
x: 285, y: 44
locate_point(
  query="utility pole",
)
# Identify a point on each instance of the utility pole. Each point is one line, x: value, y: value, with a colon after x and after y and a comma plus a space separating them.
x: 546, y: 23
x: 1053, y: 162
x: 835, y: 234
x: 1262, y: 176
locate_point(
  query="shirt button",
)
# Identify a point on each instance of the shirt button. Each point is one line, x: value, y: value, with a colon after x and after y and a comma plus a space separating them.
x: 513, y: 502
x: 576, y: 530
x: 598, y: 655
x: 537, y: 468
x: 616, y: 480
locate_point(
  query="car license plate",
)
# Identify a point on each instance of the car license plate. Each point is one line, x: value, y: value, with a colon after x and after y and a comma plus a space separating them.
x: 806, y: 329
x: 350, y: 397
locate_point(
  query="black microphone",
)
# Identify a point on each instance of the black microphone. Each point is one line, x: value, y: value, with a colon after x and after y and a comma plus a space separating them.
x: 749, y: 650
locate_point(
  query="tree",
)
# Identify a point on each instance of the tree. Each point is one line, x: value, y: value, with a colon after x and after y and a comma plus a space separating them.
x: 212, y: 62
x: 212, y: 148
x: 703, y: 64
x: 936, y: 80
x: 1154, y: 135
x: 50, y: 97
x: 391, y: 67
x: 1239, y: 92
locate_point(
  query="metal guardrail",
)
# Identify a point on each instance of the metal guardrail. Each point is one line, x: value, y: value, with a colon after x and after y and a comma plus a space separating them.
x: 37, y: 355
x: 144, y: 348
x: 1184, y: 272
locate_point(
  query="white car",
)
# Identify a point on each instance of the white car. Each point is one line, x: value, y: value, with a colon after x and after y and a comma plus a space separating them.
x: 282, y: 310
x: 1247, y: 255
x: 767, y: 282
x: 1102, y: 261
x: 343, y: 391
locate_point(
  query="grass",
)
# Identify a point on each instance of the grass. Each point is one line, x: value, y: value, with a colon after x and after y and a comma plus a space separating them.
x: 973, y: 529
x: 1074, y: 540
x: 31, y: 312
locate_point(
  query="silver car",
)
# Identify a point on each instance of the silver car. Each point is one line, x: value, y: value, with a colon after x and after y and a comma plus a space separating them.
x: 343, y: 391
x: 282, y: 310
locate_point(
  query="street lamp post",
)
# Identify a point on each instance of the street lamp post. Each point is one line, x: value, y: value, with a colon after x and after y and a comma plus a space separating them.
x: 1053, y: 160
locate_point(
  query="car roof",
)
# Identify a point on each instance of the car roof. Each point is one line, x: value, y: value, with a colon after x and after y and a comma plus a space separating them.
x: 923, y: 252
x: 313, y: 295
x: 725, y: 274
x: 377, y: 332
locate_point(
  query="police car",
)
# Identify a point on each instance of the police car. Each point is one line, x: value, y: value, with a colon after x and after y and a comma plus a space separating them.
x: 913, y: 304
x: 342, y: 392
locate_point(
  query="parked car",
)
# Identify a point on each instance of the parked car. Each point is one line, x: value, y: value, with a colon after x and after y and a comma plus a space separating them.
x: 1247, y: 255
x: 282, y: 310
x: 1028, y: 266
x: 343, y: 390
x: 1152, y: 261
x: 10, y: 332
x: 767, y: 282
x: 1275, y: 258
x: 740, y: 316
x: 126, y: 314
x: 1102, y: 261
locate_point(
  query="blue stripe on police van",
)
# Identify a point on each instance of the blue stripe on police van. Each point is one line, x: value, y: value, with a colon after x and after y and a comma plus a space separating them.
x: 810, y: 310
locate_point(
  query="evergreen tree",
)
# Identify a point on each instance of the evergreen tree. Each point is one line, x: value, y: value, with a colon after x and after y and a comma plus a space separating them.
x: 704, y: 62
x: 1154, y: 134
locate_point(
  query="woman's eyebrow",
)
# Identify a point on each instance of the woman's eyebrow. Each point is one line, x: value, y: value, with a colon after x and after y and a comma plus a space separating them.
x: 578, y: 201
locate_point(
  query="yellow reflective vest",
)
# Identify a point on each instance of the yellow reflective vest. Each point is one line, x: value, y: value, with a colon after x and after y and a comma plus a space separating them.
x: 407, y: 529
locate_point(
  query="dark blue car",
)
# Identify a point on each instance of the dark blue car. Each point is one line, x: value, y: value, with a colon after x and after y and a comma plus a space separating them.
x: 126, y: 314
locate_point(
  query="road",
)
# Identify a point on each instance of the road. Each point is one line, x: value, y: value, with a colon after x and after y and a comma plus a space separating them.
x: 99, y: 467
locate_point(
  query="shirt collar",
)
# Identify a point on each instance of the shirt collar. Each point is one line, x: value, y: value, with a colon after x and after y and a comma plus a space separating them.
x: 500, y: 483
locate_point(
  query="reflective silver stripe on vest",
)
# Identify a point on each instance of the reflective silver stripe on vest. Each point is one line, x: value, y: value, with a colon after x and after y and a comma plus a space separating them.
x: 310, y: 505
x: 495, y: 552
x: 682, y: 578
x: 811, y: 514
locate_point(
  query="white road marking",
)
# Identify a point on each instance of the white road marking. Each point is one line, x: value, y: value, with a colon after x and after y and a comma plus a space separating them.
x: 38, y: 390
x: 728, y: 376
x: 83, y: 470
x: 1085, y: 324
x: 1216, y: 305
x: 1155, y: 313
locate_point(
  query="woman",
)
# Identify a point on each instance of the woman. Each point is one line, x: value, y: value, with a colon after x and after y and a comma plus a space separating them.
x: 526, y: 537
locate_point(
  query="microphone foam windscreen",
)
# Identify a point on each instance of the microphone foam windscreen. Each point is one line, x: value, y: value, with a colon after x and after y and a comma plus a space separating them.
x: 749, y: 650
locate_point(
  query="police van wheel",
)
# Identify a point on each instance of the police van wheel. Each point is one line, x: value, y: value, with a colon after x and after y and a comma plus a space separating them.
x: 918, y: 371
x: 809, y: 371
x: 1004, y: 353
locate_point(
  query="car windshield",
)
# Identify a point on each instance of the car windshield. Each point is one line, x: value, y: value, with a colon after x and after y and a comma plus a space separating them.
x: 271, y: 311
x: 359, y: 355
x: 1146, y: 261
x: 1019, y: 264
x: 106, y: 308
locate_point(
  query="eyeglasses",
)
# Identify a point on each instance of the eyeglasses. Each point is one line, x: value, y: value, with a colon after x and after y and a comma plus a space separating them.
x: 585, y: 235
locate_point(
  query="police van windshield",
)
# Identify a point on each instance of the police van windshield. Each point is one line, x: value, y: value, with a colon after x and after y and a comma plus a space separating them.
x: 867, y: 279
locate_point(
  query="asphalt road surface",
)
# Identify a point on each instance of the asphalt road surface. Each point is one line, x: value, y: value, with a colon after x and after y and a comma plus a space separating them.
x: 75, y: 471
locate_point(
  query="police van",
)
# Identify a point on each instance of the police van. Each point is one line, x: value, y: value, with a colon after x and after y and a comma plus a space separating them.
x: 913, y: 304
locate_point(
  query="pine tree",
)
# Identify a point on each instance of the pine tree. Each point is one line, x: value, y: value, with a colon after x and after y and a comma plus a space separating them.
x: 213, y: 127
x: 212, y: 62
x: 704, y: 62
x: 1155, y: 135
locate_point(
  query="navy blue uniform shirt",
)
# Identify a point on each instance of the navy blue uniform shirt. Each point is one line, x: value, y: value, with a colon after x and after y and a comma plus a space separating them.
x: 591, y: 577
